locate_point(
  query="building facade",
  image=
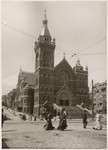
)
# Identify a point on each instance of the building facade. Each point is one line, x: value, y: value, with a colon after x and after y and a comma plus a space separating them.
x: 100, y: 97
x: 62, y: 84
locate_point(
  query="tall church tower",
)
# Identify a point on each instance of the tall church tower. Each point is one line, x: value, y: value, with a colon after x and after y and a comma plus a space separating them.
x: 44, y: 68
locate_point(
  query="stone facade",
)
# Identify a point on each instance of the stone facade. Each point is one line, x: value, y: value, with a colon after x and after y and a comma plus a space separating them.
x: 62, y: 84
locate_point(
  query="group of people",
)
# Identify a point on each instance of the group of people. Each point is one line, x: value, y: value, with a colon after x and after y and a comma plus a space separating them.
x: 97, y: 123
x: 63, y: 123
x: 62, y: 120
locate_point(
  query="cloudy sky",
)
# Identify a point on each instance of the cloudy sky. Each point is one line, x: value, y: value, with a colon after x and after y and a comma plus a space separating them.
x: 78, y: 27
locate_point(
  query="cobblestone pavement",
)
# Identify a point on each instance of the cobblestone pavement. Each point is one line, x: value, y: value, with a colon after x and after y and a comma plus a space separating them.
x: 30, y: 134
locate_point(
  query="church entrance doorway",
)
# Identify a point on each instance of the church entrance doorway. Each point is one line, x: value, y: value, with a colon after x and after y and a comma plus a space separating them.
x: 64, y: 98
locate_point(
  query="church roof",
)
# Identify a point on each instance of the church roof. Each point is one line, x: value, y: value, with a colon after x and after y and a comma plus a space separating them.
x: 29, y: 78
x: 64, y: 61
x: 26, y: 87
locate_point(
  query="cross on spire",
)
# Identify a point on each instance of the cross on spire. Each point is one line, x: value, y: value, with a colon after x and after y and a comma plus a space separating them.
x: 45, y: 11
x: 45, y: 14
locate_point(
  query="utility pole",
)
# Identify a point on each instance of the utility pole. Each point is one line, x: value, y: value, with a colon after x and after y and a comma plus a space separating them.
x: 92, y: 102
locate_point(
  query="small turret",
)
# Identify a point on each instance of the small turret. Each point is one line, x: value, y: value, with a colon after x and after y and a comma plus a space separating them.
x: 86, y: 68
x: 78, y: 65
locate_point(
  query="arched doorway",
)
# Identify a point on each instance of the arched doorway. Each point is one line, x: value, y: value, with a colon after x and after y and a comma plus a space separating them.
x: 64, y: 98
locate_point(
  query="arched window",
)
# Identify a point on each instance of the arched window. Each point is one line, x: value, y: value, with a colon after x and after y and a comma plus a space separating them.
x: 44, y: 78
x: 46, y: 59
x: 42, y: 89
x: 46, y: 89
x: 78, y: 92
x: 44, y: 98
x: 25, y: 92
x: 50, y: 89
x: 37, y: 59
x: 48, y: 79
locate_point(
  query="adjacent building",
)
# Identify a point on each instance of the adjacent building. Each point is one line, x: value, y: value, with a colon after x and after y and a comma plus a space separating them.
x: 100, y: 96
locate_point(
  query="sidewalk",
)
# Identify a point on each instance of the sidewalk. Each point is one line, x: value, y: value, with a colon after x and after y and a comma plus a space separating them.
x: 31, y: 134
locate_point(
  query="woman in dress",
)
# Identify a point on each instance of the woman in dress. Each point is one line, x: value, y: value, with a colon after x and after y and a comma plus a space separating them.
x: 48, y: 117
x: 62, y: 121
x: 98, y: 122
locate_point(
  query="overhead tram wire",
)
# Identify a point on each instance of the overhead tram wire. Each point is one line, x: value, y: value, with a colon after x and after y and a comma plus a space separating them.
x: 96, y: 69
x: 77, y: 54
x: 60, y: 49
x: 91, y: 45
x: 63, y: 50
x: 33, y: 37
x: 93, y: 53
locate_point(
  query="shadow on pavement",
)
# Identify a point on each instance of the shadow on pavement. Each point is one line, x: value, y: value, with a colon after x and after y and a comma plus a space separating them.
x: 9, y: 130
x: 69, y: 130
x: 4, y: 145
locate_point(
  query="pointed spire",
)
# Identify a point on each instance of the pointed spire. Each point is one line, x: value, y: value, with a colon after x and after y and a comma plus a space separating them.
x: 63, y: 55
x: 78, y: 62
x: 20, y: 68
x: 45, y: 34
x: 21, y: 72
x: 78, y: 65
x: 45, y: 19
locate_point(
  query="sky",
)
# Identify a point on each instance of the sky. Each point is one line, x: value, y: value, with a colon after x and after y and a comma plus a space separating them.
x: 78, y: 27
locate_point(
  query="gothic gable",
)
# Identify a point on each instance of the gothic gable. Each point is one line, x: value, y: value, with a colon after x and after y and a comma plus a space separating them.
x: 25, y: 78
x: 64, y: 66
x: 64, y: 88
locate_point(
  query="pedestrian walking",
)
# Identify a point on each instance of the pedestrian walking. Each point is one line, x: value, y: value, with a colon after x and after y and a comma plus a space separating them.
x: 2, y: 117
x: 48, y: 117
x: 34, y: 117
x: 62, y: 120
x: 98, y: 121
x: 85, y: 119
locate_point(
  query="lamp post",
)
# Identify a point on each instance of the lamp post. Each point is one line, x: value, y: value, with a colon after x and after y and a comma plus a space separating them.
x: 92, y: 103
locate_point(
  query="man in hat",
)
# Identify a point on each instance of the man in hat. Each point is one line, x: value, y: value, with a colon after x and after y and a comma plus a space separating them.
x: 85, y: 119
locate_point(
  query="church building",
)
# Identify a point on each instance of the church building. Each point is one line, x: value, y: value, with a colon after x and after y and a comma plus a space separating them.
x: 62, y: 84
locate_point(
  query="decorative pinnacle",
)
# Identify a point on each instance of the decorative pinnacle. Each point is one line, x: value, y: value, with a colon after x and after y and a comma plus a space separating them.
x: 64, y: 55
x: 20, y: 68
